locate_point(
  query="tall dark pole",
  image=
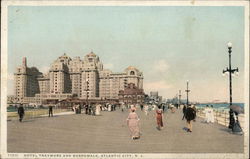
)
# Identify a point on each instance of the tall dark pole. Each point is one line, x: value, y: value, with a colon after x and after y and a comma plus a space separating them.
x: 187, y: 93
x: 87, y: 93
x: 179, y: 98
x: 230, y: 71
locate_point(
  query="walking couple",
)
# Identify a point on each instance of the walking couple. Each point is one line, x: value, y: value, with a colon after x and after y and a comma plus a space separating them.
x: 209, y: 114
x: 190, y: 115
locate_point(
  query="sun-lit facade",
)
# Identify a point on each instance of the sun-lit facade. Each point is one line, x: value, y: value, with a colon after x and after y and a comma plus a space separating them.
x: 78, y: 77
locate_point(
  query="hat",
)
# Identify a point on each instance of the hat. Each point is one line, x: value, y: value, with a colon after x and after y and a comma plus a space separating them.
x: 133, y: 108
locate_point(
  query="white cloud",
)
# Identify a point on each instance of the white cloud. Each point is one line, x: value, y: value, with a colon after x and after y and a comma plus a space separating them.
x: 155, y: 80
x: 160, y: 66
x: 44, y: 69
x: 160, y: 86
x: 108, y: 66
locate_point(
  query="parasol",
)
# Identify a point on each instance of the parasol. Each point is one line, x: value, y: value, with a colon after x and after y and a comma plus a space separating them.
x: 236, y: 108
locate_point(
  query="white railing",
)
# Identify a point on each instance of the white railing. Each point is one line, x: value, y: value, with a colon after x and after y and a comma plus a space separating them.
x: 222, y: 117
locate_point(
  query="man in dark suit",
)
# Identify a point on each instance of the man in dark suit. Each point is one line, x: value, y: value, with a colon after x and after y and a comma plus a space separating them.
x: 190, y: 115
x: 50, y: 110
x: 86, y: 109
x: 163, y: 107
x: 141, y: 107
x: 79, y: 108
x: 184, y: 111
x: 20, y: 112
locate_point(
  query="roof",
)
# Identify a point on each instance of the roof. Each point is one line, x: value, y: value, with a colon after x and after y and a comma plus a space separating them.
x: 91, y: 54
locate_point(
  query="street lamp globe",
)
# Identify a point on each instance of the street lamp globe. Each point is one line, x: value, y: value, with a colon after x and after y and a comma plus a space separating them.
x: 229, y: 45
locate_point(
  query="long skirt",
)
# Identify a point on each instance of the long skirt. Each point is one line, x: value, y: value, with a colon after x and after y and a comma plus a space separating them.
x: 134, y: 128
x: 98, y: 111
x: 159, y: 121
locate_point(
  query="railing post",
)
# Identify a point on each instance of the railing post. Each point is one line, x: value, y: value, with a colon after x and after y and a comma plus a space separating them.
x: 216, y: 115
x: 225, y: 118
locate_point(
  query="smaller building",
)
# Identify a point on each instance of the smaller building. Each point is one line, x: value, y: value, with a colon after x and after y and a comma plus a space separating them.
x: 155, y: 98
x: 131, y: 94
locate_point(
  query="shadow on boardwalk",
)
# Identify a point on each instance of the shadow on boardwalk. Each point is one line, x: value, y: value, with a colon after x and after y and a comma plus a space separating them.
x: 109, y: 133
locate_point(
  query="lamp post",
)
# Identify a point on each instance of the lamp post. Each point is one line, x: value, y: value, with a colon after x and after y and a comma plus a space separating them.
x: 230, y: 71
x: 187, y: 90
x: 179, y: 98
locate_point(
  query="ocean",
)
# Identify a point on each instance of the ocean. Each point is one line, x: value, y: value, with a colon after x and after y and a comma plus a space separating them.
x: 219, y: 106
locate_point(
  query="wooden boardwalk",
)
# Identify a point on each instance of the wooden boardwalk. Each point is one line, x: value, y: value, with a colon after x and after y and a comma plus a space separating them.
x: 108, y: 133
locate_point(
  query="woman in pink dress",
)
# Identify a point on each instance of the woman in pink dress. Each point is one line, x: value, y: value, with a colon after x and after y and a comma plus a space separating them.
x: 159, y: 115
x: 133, y: 124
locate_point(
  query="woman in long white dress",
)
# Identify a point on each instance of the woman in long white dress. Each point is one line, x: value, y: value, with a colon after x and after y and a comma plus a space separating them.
x: 211, y: 114
x: 146, y: 109
x: 109, y: 107
x: 98, y: 109
x: 206, y: 114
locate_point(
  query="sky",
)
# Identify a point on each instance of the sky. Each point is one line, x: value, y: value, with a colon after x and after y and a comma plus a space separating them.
x: 169, y: 44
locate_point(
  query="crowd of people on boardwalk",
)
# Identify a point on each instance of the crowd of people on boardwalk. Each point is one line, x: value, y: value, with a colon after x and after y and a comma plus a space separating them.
x: 93, y: 109
x: 189, y: 113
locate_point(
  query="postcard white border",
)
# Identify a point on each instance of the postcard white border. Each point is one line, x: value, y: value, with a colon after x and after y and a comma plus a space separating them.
x: 4, y: 59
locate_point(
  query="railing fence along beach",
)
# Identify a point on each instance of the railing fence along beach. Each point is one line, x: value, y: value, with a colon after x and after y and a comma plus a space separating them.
x: 222, y: 116
x: 31, y: 113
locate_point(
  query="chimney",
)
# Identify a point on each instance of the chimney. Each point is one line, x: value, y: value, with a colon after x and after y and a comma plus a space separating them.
x: 24, y: 62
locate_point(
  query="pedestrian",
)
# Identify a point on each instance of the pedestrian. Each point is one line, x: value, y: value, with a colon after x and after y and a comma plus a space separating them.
x: 76, y: 109
x: 173, y: 108
x: 50, y: 110
x: 123, y: 107
x: 133, y: 124
x: 146, y: 109
x: 89, y: 109
x: 93, y: 109
x: 98, y: 109
x: 86, y: 109
x: 211, y: 114
x: 141, y: 107
x: 163, y: 107
x: 109, y: 107
x: 206, y: 111
x: 184, y: 111
x: 190, y: 116
x: 153, y: 107
x: 79, y: 109
x: 159, y: 116
x: 20, y: 112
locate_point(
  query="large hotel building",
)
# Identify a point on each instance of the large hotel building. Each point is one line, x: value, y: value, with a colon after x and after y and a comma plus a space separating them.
x: 73, y: 77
